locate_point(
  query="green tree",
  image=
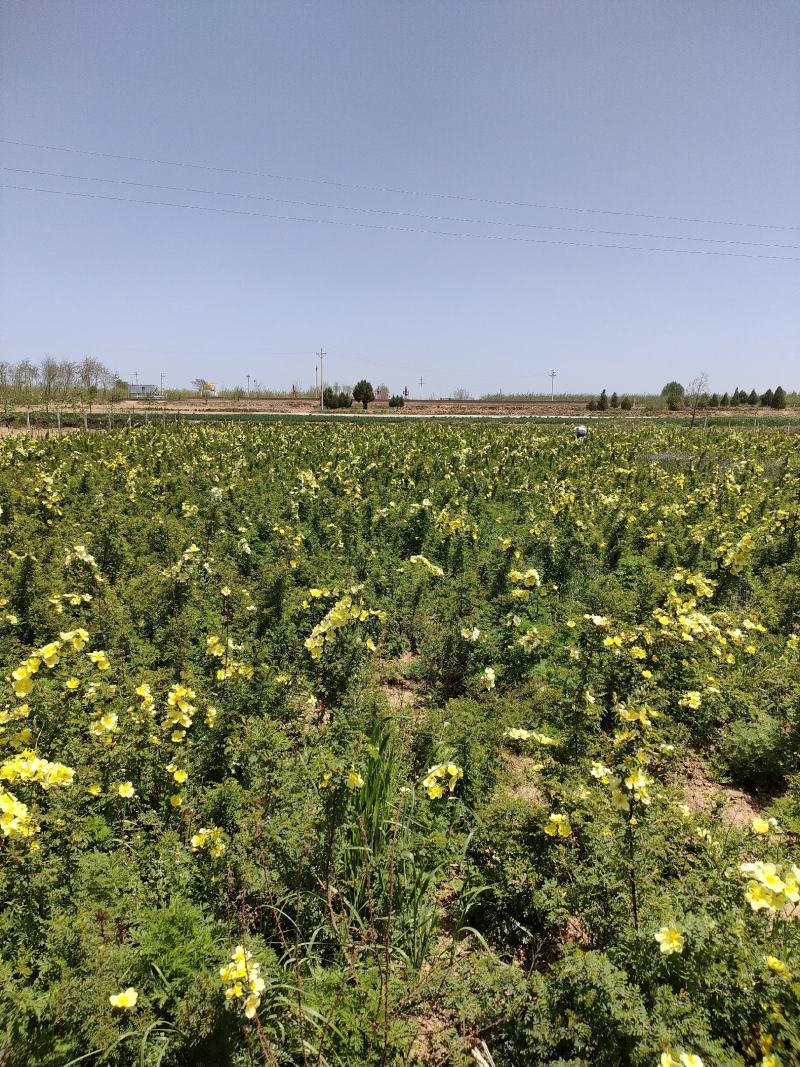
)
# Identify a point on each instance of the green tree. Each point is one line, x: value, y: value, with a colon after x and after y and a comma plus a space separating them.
x: 714, y: 400
x: 766, y: 399
x: 725, y: 402
x: 626, y: 404
x: 614, y: 401
x: 673, y: 394
x: 779, y: 398
x: 752, y: 398
x: 602, y: 403
x: 363, y: 392
x: 673, y: 387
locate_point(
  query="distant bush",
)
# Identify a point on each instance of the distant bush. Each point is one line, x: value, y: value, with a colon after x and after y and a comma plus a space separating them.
x: 396, y: 401
x: 332, y: 400
x: 626, y: 403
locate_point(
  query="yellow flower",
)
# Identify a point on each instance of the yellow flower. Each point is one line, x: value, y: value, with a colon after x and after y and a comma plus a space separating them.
x: 691, y: 699
x: 670, y: 939
x: 95, y: 789
x: 689, y: 1059
x: 354, y: 780
x: 176, y: 800
x: 72, y: 683
x: 126, y: 999
x: 776, y: 965
x: 558, y: 825
x: 211, y: 839
x: 22, y: 686
x: 125, y: 789
x: 763, y: 826
x: 180, y: 777
x: 600, y: 772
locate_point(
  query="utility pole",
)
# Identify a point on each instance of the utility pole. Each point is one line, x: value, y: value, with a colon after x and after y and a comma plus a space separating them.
x: 421, y: 383
x: 552, y: 383
x: 161, y: 389
x: 321, y: 355
x: 136, y: 377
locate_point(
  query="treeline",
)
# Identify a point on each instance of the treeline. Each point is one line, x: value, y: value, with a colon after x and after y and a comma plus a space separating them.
x: 53, y: 382
x: 696, y: 396
x: 675, y: 397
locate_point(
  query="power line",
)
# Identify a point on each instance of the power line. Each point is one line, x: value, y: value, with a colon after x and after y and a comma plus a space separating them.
x: 390, y: 189
x: 401, y: 229
x: 393, y: 212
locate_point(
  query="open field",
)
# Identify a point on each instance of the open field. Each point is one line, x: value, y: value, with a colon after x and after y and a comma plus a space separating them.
x: 361, y: 742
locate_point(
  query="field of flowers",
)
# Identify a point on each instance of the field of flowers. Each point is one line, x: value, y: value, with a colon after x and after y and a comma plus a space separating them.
x: 348, y: 744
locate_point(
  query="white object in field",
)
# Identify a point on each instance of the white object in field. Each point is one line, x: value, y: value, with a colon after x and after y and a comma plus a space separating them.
x: 581, y: 431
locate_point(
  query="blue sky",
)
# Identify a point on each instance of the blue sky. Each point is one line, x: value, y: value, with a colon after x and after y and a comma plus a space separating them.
x: 661, y: 108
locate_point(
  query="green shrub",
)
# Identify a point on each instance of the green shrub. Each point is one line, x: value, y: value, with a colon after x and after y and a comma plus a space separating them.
x: 754, y: 753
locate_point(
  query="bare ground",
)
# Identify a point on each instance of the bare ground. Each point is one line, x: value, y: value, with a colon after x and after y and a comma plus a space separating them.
x: 705, y: 795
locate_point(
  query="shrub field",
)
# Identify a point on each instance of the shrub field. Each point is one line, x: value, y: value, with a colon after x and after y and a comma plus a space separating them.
x: 350, y: 744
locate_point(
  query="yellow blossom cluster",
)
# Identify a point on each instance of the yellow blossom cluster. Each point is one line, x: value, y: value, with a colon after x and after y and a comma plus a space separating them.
x: 15, y: 818
x: 518, y: 733
x: 49, y: 655
x: 526, y: 580
x: 180, y: 710
x: 344, y: 612
x: 431, y: 568
x: 440, y: 777
x: 219, y: 650
x: 769, y: 886
x: 209, y: 839
x: 558, y: 825
x: 28, y: 767
x: 104, y: 727
x: 243, y: 979
x: 7, y: 616
x: 450, y: 522
x: 732, y: 556
x: 684, y: 1059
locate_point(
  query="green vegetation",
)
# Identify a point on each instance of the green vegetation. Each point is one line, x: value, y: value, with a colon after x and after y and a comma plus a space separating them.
x: 363, y: 393
x: 344, y: 743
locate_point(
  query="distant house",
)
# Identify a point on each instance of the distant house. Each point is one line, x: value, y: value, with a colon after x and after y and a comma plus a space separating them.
x: 142, y: 392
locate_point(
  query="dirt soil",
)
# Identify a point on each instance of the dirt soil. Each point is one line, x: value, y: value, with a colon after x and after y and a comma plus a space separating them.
x: 702, y: 794
x: 307, y: 406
